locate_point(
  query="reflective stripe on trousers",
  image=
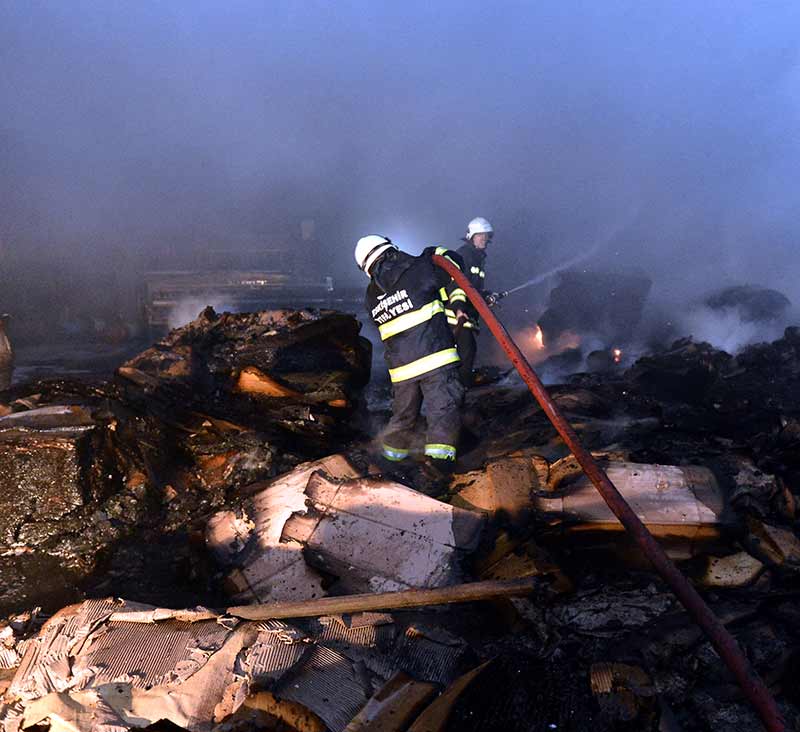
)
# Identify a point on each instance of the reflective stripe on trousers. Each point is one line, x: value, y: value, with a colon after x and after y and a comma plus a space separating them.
x: 395, y: 454
x: 441, y: 452
x: 441, y: 394
x: 424, y: 365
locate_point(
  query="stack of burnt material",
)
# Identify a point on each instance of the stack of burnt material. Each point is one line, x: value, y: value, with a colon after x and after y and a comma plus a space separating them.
x: 607, y: 305
x: 107, y: 486
x: 292, y: 373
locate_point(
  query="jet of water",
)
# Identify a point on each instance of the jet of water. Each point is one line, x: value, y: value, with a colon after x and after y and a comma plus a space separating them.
x: 582, y: 257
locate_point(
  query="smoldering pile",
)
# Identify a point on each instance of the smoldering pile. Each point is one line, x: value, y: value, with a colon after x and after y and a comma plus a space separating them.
x: 124, y: 472
x: 227, y: 465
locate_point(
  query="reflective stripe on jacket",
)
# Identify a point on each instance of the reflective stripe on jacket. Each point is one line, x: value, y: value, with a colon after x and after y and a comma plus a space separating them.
x: 404, y: 300
x: 473, y: 260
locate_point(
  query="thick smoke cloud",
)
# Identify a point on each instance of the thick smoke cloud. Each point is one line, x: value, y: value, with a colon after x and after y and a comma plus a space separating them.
x: 143, y: 134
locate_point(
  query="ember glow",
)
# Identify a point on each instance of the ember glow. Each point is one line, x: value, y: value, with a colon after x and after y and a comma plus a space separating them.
x: 538, y: 338
x: 531, y: 342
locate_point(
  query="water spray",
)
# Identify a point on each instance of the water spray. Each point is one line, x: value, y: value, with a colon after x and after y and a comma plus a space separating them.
x: 603, y: 241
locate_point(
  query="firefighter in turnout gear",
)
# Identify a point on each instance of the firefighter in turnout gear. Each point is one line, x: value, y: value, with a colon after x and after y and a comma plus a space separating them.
x: 461, y: 314
x: 405, y: 299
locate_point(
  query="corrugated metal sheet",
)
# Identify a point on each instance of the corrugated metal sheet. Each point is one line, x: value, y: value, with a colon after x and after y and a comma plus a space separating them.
x: 270, y: 657
x: 151, y: 653
x: 9, y: 657
x: 282, y: 630
x: 11, y: 716
x: 326, y: 683
x: 38, y: 654
x: 435, y: 656
x: 331, y: 631
x: 331, y: 665
x: 143, y: 652
x: 368, y: 644
x: 93, y: 610
x: 42, y: 668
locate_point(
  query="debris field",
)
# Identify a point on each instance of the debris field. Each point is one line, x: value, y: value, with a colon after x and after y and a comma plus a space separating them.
x: 153, y: 526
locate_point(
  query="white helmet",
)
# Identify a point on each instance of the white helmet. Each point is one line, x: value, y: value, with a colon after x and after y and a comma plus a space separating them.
x: 369, y: 248
x: 478, y: 226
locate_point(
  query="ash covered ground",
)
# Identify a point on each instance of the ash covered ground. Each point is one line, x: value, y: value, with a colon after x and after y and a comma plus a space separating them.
x: 179, y: 482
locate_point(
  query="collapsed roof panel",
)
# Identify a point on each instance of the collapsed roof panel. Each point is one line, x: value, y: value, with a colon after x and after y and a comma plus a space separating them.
x: 109, y: 664
x: 368, y: 533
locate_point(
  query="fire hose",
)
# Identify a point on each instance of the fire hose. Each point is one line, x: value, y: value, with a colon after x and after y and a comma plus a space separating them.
x: 725, y: 644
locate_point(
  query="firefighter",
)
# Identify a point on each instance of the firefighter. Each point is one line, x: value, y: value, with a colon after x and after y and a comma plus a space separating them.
x: 404, y: 298
x: 461, y: 314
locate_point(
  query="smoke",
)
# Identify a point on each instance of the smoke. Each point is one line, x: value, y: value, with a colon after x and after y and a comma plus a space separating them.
x: 187, y: 309
x: 728, y: 330
x: 155, y: 133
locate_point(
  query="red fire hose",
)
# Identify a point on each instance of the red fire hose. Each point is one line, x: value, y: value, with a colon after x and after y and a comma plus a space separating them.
x: 727, y: 647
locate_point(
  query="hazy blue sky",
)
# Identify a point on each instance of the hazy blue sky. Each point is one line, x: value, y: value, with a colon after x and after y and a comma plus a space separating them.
x: 669, y: 128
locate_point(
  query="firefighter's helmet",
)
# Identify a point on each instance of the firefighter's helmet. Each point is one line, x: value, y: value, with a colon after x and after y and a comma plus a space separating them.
x: 478, y: 225
x: 369, y: 249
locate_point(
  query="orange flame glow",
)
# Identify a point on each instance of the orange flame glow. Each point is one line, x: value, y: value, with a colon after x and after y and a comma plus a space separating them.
x: 538, y: 338
x: 532, y: 344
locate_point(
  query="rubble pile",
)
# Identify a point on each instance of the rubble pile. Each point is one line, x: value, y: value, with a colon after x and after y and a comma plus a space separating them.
x: 202, y: 667
x: 324, y: 520
x: 106, y: 487
x: 295, y: 373
x: 228, y: 467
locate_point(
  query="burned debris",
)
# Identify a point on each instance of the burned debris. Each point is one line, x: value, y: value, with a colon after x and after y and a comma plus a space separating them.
x: 226, y: 470
x: 371, y: 534
x: 602, y: 304
x: 294, y: 371
x: 125, y: 473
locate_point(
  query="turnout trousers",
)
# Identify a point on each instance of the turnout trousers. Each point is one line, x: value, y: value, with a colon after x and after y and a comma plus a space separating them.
x: 439, y: 395
x: 467, y: 348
